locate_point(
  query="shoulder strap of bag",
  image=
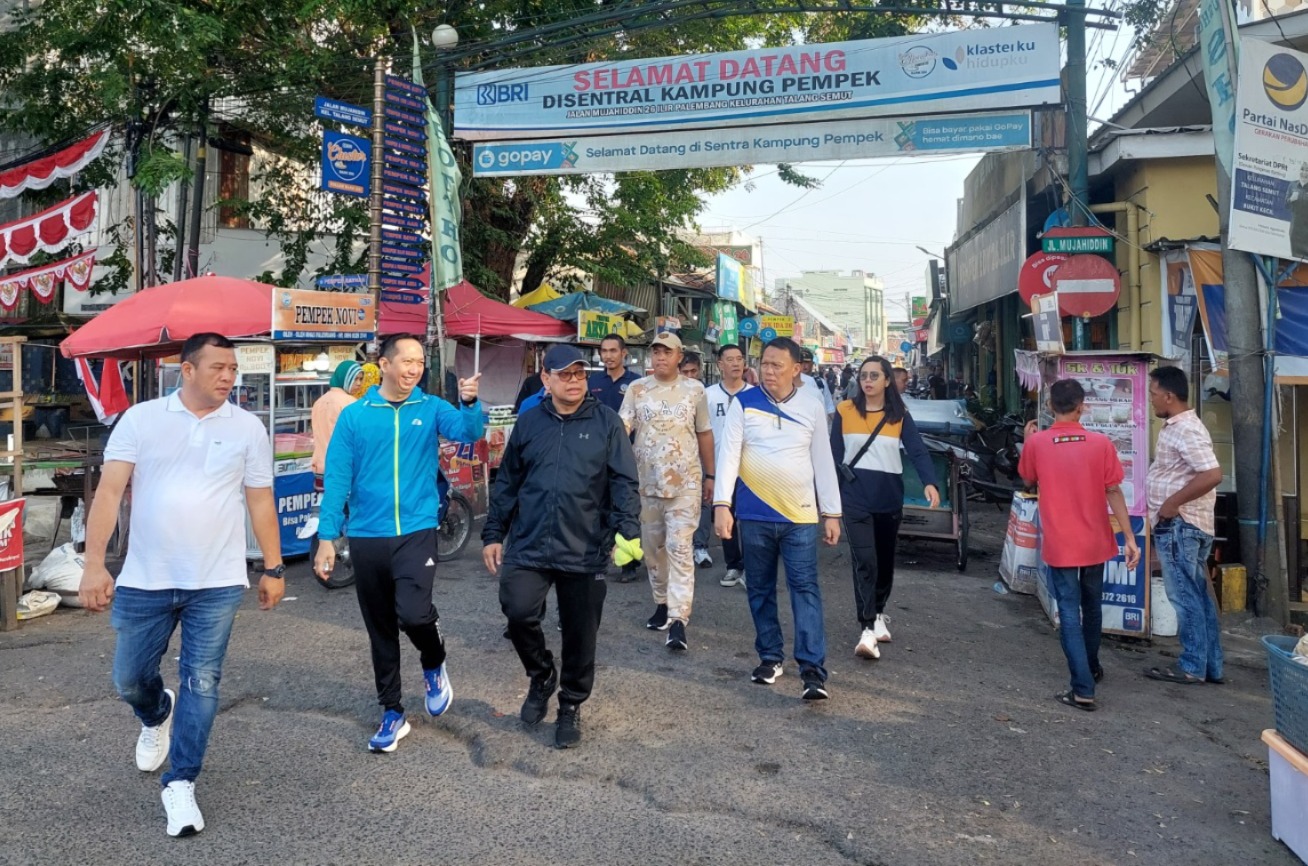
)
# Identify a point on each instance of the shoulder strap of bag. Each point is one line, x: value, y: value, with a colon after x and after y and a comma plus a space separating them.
x: 870, y: 440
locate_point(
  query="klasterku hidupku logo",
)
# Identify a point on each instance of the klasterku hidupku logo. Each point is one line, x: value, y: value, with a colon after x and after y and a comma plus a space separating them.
x: 1285, y: 82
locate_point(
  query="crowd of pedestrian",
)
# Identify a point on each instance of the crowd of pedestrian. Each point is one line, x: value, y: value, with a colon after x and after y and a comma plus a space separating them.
x: 605, y: 468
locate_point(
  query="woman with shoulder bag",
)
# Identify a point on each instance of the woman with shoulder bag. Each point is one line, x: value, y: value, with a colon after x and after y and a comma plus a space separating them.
x: 865, y: 441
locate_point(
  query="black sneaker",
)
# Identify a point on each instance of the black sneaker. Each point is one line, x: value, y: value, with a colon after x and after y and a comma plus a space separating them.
x: 814, y: 688
x: 568, y: 733
x: 766, y: 674
x: 659, y: 621
x: 538, y: 697
x: 677, y: 635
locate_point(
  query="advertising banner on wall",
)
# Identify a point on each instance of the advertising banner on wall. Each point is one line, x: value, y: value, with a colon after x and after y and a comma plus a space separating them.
x: 730, y: 278
x: 934, y: 73
x: 986, y: 265
x: 1269, y: 184
x: 795, y: 142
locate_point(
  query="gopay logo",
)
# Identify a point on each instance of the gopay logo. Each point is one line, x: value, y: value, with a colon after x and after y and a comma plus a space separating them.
x: 498, y: 94
x: 520, y: 157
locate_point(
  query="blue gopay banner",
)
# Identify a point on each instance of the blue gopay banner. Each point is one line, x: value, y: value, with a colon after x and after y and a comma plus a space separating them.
x: 971, y: 70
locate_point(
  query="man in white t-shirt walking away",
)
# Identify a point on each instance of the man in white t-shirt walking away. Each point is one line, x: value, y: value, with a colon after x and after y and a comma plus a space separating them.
x: 195, y: 463
x: 731, y: 365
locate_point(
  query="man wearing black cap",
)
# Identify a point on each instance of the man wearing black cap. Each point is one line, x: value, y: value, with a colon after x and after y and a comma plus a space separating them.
x: 566, y: 491
x: 806, y: 377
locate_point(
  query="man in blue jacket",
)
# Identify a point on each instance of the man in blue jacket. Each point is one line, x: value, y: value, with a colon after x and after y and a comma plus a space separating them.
x: 567, y: 489
x: 384, y: 461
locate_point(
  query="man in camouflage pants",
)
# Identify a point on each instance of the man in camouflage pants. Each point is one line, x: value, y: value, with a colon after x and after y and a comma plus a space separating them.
x: 668, y: 414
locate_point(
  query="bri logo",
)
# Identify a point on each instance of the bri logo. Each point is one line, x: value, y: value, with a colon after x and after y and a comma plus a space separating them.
x: 496, y: 94
x: 1133, y: 619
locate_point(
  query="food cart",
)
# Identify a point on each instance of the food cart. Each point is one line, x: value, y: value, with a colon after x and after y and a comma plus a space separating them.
x: 1116, y: 405
x: 948, y: 522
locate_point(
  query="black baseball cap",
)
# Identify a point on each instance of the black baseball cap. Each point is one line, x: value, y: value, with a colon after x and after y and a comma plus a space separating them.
x: 561, y: 356
x: 806, y: 354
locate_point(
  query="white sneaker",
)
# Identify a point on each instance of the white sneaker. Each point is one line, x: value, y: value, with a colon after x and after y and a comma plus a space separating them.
x: 184, y: 818
x: 152, y: 745
x: 702, y: 558
x: 867, y: 645
x: 733, y: 577
x: 883, y: 633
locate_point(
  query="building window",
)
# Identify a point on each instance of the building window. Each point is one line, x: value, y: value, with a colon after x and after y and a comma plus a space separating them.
x: 234, y: 152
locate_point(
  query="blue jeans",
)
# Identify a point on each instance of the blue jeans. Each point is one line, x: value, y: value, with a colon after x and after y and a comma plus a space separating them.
x: 145, y: 621
x: 1079, y: 591
x: 1183, y: 553
x: 795, y: 545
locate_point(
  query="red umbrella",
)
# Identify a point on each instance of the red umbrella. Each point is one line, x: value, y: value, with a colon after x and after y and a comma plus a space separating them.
x: 156, y: 321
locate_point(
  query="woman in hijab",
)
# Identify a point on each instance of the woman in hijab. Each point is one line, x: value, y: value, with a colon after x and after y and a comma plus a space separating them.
x: 346, y: 387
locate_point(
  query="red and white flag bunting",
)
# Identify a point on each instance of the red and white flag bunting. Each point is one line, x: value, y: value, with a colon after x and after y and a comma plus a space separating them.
x: 42, y: 281
x: 40, y: 173
x: 48, y: 231
x: 108, y: 396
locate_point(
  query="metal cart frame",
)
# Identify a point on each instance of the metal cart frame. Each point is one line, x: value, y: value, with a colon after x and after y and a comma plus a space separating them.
x: 941, y: 524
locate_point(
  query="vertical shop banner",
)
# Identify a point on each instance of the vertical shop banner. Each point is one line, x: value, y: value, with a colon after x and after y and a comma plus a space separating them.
x: 11, y: 534
x: 730, y: 276
x: 443, y: 179
x: 1214, y: 22
x: 1269, y: 181
x: 1210, y: 295
x: 1117, y: 405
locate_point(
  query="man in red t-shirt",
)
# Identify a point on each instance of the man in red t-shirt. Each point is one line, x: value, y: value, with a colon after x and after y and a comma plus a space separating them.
x: 1079, y: 477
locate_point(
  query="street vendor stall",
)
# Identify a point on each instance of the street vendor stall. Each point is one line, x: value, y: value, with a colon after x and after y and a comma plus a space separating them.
x: 1117, y: 405
x: 287, y: 342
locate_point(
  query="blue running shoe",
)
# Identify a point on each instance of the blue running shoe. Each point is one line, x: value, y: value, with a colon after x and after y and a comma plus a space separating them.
x: 394, y: 727
x: 439, y: 692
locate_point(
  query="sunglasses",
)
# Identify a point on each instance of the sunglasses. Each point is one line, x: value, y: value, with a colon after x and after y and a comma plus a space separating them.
x: 569, y: 375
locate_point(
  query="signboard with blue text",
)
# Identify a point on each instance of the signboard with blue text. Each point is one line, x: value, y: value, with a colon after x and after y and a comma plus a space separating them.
x: 796, y: 142
x: 342, y: 112
x: 922, y: 74
x: 346, y: 163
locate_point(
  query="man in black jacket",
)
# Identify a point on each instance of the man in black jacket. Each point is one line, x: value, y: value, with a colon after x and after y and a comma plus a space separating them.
x: 567, y: 487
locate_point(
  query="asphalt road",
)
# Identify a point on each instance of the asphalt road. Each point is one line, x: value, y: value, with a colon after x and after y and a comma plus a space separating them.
x: 949, y: 750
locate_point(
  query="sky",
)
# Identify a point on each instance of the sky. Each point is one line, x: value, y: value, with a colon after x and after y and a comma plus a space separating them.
x: 871, y: 215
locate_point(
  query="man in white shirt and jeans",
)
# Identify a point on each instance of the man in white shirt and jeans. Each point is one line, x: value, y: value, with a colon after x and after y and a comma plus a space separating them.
x: 195, y: 463
x: 731, y: 364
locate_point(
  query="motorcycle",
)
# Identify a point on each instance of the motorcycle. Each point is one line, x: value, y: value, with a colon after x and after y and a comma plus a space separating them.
x: 452, y: 535
x: 989, y: 458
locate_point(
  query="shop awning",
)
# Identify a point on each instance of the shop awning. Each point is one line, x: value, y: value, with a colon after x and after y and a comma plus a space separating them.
x: 156, y: 321
x: 469, y: 313
x: 539, y: 295
x: 565, y: 307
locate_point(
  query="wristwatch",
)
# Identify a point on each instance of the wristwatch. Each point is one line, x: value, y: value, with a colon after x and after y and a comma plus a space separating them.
x: 279, y: 572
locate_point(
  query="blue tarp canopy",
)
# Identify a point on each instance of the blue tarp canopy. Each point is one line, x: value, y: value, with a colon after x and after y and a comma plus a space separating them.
x: 565, y: 307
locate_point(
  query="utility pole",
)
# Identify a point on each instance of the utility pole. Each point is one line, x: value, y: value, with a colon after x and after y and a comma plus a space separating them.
x: 375, y: 190
x: 1078, y: 136
x: 1244, y: 334
x: 197, y: 209
x: 179, y: 226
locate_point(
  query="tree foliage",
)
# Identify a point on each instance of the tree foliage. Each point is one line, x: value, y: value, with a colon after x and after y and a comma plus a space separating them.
x: 69, y: 65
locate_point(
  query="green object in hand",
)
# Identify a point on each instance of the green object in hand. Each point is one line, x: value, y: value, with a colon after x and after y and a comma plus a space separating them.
x: 626, y: 550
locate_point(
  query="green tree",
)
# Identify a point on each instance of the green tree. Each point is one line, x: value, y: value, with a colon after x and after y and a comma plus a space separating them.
x: 163, y: 66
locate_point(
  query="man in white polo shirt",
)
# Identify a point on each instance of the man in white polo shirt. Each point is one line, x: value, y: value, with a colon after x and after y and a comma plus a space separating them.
x: 195, y: 463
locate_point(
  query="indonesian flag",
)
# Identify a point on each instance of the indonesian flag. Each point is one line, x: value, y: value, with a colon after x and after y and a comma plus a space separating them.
x: 108, y: 396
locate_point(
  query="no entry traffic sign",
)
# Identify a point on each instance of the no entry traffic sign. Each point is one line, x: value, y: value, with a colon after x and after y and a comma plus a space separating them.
x: 1087, y: 285
x: 1034, y: 278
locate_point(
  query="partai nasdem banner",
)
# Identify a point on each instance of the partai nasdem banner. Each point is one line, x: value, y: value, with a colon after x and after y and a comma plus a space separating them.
x: 926, y: 74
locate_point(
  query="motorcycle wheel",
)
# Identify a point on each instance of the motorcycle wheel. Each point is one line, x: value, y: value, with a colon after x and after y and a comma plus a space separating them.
x: 342, y: 575
x: 455, y: 529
